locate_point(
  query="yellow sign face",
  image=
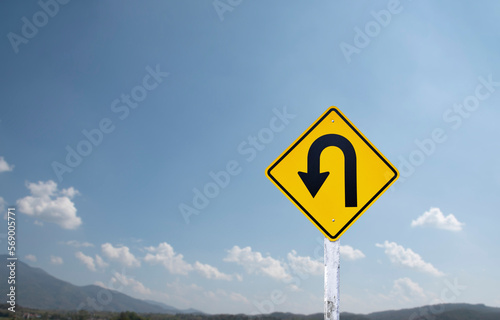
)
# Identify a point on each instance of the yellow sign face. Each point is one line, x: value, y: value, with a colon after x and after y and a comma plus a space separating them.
x: 332, y: 173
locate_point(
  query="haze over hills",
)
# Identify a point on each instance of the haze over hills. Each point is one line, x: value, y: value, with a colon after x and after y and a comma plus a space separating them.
x: 455, y: 311
x: 37, y: 289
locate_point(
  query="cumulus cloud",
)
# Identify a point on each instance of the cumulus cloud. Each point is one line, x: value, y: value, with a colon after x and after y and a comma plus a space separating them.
x: 87, y: 260
x: 406, y: 257
x: 56, y: 260
x: 404, y: 293
x: 70, y: 192
x: 136, y: 286
x: 4, y: 166
x: 120, y: 254
x: 90, y: 262
x: 254, y: 262
x: 408, y: 290
x: 174, y: 262
x: 49, y: 204
x: 350, y: 253
x: 30, y: 257
x: 77, y: 244
x: 166, y: 256
x: 436, y: 219
x: 100, y: 262
x: 304, y: 265
x: 211, y: 272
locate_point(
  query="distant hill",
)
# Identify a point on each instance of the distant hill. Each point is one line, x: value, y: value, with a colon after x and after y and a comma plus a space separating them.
x: 458, y: 311
x: 37, y: 289
x: 174, y: 310
x: 455, y: 311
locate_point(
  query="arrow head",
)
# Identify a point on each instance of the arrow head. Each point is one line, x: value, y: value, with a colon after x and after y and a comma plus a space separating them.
x: 313, y: 181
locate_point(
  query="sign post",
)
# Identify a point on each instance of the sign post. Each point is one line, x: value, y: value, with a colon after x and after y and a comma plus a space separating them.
x: 333, y: 174
x: 332, y: 279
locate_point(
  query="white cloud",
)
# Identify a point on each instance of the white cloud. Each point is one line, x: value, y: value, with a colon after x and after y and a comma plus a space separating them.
x: 238, y: 297
x: 407, y: 290
x: 38, y: 223
x: 165, y: 254
x: 56, y: 260
x: 136, y: 286
x: 174, y: 262
x: 211, y: 272
x: 70, y: 192
x: 101, y: 284
x: 3, y: 204
x: 184, y: 295
x: 42, y: 189
x: 50, y: 205
x: 30, y: 257
x: 87, y: 260
x: 178, y: 288
x: 304, y: 265
x: 100, y: 262
x: 120, y: 254
x: 78, y: 244
x: 406, y: 257
x: 221, y: 295
x: 350, y: 253
x: 254, y: 262
x: 189, y: 295
x: 404, y: 293
x: 4, y: 166
x: 294, y: 288
x: 436, y: 219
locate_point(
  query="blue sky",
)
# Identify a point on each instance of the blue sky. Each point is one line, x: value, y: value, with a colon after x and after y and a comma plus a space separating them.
x: 172, y: 93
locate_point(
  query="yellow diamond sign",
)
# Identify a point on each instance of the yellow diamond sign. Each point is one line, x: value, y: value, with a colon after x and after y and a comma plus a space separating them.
x: 332, y: 173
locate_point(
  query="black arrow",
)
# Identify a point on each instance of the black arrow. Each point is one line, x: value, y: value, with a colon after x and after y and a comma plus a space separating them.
x: 313, y: 179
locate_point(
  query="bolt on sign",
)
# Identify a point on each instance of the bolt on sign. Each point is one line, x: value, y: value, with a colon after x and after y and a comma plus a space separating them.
x: 332, y: 173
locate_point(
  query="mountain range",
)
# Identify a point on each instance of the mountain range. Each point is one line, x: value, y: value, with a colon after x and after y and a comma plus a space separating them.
x: 37, y: 289
x: 450, y: 311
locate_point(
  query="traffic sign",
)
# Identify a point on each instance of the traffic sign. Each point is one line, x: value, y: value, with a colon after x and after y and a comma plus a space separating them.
x: 333, y: 187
